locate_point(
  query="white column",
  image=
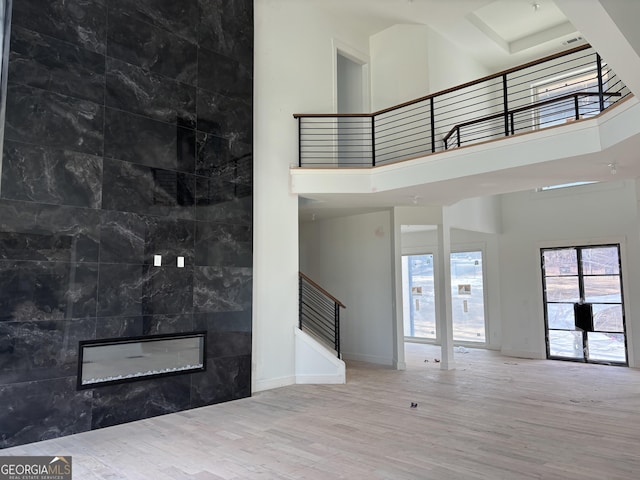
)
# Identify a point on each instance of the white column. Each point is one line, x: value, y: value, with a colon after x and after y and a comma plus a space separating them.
x: 396, y: 268
x: 444, y: 319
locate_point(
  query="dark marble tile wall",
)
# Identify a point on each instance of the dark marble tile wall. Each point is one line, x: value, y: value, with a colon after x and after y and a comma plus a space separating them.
x: 128, y: 134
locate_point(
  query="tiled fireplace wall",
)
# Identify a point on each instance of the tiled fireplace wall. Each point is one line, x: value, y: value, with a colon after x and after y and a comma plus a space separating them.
x: 128, y: 134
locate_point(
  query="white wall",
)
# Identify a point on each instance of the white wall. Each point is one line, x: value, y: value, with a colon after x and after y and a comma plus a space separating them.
x: 351, y: 258
x: 479, y: 214
x: 591, y: 214
x: 449, y: 66
x: 399, y: 65
x: 293, y: 72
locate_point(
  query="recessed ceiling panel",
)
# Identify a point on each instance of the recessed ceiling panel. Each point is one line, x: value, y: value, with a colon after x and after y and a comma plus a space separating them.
x: 513, y: 20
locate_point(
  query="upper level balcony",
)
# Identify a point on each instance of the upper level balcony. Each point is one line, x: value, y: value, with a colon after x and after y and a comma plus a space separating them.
x: 423, y: 142
x: 573, y: 85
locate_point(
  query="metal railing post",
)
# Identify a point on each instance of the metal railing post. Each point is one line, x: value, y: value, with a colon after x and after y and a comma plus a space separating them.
x: 433, y: 127
x: 576, y: 105
x: 337, y: 328
x: 300, y: 142
x: 300, y: 280
x: 505, y: 101
x: 373, y: 141
x: 600, y: 85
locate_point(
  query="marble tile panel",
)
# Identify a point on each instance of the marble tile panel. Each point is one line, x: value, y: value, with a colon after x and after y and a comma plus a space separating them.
x: 30, y: 231
x: 238, y: 321
x: 123, y: 237
x: 151, y: 48
x: 162, y: 324
x: 225, y: 75
x: 223, y: 202
x: 177, y: 17
x: 42, y: 410
x: 45, y: 175
x: 63, y: 122
x: 145, y: 190
x: 50, y: 64
x: 117, y: 327
x: 120, y: 290
x: 136, y: 90
x: 222, y: 289
x: 225, y: 116
x: 34, y: 291
x: 167, y: 290
x: 41, y: 350
x: 170, y: 238
x: 127, y: 402
x: 227, y: 28
x: 228, y: 160
x: 228, y: 344
x: 227, y: 378
x: 138, y: 139
x: 81, y: 22
x: 220, y: 244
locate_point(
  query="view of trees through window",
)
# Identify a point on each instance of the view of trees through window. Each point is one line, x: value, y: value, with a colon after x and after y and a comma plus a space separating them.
x: 584, y: 275
x: 467, y: 294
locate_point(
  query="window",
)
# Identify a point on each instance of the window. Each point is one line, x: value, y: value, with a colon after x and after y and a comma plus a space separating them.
x: 467, y: 297
x: 563, y: 111
x: 418, y: 295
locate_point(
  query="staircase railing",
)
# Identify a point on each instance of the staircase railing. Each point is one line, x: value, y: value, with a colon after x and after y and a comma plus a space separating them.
x: 560, y: 88
x: 319, y: 313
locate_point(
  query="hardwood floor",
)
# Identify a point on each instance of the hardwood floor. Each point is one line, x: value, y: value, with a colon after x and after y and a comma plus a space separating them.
x: 493, y: 418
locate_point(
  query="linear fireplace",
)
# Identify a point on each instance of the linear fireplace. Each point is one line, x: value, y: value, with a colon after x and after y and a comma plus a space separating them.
x: 120, y: 360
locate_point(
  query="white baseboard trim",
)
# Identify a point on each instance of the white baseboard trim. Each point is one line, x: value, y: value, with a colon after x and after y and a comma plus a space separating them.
x: 362, y: 357
x: 271, y: 383
x: 320, y: 379
x: 523, y: 354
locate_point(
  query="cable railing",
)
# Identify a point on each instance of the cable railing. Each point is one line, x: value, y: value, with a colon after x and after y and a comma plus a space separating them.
x: 319, y: 313
x: 561, y: 88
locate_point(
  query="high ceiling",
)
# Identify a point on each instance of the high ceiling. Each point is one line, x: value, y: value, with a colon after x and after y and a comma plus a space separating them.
x: 498, y: 33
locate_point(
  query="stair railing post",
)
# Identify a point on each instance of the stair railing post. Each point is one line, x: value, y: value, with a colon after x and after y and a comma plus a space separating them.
x: 300, y: 280
x: 337, y: 327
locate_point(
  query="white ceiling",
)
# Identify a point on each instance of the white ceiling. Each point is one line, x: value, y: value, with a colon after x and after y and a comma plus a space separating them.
x: 498, y: 33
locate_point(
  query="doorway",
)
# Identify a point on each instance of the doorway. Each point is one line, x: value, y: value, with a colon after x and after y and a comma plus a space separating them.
x: 352, y: 132
x: 584, y: 304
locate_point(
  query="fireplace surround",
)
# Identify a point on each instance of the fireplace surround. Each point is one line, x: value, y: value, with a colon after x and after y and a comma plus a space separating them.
x: 120, y: 360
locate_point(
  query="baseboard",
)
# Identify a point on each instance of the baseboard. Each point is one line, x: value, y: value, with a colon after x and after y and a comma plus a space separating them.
x: 320, y: 379
x: 271, y: 383
x: 523, y: 354
x: 362, y: 357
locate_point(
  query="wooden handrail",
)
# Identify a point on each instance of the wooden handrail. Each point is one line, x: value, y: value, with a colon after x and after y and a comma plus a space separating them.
x: 327, y: 294
x: 452, y: 89
x: 525, y: 108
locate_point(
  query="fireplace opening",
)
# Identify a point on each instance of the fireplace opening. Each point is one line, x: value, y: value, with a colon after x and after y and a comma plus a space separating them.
x: 120, y: 360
